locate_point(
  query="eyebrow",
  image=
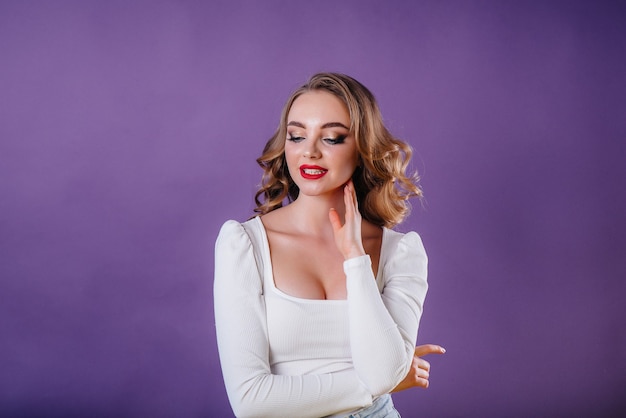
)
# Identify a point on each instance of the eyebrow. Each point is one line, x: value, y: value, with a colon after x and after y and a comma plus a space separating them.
x: 324, y: 126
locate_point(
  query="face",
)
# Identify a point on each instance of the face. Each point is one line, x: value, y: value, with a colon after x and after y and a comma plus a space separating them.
x: 320, y: 151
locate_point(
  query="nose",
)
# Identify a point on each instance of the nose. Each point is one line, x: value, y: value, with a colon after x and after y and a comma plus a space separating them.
x: 311, y: 150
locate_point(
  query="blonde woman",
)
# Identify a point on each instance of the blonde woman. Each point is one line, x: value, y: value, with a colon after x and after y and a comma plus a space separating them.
x: 317, y: 299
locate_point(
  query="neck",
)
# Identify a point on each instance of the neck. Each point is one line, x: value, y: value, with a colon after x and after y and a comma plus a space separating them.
x: 310, y: 213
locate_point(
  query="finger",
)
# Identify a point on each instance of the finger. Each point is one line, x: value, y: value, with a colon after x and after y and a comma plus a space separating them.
x: 348, y: 194
x: 352, y: 190
x: 334, y: 219
x: 421, y: 378
x: 422, y: 350
x: 422, y: 364
x: 349, y: 202
x: 423, y: 374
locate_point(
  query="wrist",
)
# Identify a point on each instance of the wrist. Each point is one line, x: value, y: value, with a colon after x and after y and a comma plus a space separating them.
x: 354, y: 253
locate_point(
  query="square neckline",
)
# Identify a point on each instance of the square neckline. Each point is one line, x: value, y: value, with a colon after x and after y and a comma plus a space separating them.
x: 269, y: 268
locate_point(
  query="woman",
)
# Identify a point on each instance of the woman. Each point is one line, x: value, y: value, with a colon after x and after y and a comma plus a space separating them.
x: 318, y: 302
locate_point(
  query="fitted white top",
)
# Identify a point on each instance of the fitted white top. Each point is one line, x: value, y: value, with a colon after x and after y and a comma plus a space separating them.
x: 284, y: 356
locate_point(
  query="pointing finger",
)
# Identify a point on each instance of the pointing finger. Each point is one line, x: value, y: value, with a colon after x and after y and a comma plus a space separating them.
x: 422, y: 350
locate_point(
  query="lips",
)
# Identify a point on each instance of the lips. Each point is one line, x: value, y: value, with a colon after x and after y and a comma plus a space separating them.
x: 312, y: 172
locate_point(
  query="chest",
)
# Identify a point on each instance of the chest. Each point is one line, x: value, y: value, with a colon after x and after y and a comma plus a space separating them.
x: 312, y: 269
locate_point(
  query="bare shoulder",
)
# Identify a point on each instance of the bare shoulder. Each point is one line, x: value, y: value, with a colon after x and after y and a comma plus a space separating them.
x: 275, y: 221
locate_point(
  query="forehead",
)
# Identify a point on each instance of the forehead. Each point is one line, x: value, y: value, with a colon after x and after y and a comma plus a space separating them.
x: 318, y: 106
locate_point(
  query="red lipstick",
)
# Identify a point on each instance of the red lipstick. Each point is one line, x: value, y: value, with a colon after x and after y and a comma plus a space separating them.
x: 312, y: 172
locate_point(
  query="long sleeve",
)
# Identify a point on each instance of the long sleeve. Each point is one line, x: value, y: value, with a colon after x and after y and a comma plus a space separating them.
x: 242, y: 338
x: 383, y: 326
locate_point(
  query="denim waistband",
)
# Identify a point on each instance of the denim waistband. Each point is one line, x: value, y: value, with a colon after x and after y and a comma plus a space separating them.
x: 381, y: 408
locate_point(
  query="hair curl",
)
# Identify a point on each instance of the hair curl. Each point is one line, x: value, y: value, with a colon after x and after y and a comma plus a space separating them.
x: 381, y: 183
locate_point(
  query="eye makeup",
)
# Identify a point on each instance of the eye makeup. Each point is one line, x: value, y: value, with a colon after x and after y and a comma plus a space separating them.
x: 294, y: 138
x: 337, y: 140
x: 340, y: 139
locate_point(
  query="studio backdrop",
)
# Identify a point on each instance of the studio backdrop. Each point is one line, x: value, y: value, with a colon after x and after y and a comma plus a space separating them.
x: 129, y: 132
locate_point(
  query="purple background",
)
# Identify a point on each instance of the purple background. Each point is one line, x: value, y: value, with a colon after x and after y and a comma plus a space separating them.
x: 129, y: 132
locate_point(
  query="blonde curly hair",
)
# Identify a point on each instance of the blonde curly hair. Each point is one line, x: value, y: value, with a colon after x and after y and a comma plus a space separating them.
x: 382, y: 185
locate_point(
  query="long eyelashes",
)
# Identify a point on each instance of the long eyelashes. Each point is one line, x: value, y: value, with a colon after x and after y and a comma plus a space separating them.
x: 332, y: 141
x: 295, y: 138
x: 338, y: 140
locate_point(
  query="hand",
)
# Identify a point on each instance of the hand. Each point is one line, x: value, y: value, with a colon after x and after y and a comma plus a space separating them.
x: 420, y: 369
x: 348, y: 236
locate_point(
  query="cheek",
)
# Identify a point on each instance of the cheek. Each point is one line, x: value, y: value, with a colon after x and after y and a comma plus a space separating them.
x: 348, y: 162
x: 352, y: 159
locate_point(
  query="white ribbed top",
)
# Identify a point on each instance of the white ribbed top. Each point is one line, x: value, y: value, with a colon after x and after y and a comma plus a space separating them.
x: 284, y: 356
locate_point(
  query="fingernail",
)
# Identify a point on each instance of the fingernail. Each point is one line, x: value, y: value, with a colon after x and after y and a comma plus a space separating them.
x: 443, y: 350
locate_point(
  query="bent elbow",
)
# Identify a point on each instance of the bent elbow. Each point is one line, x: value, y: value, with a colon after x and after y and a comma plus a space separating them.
x: 249, y: 399
x: 245, y: 407
x: 244, y: 410
x: 384, y: 376
x: 385, y: 384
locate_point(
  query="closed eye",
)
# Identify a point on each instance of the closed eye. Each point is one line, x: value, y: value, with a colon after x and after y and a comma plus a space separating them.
x: 334, y: 141
x: 295, y: 138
